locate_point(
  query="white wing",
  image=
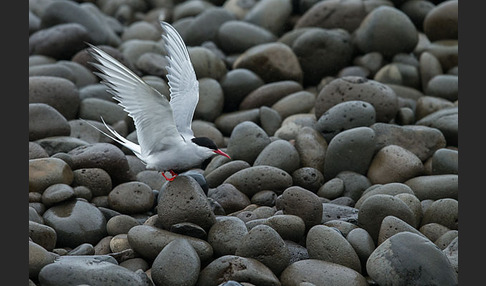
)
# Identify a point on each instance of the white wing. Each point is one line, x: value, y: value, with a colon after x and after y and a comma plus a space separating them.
x: 151, y: 111
x: 183, y: 84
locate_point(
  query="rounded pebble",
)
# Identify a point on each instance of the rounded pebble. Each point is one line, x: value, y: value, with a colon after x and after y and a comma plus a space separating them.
x: 44, y: 172
x: 385, y: 268
x: 57, y: 193
x: 302, y: 203
x: 229, y: 197
x: 246, y: 142
x: 46, y: 121
x: 435, y: 187
x: 271, y: 155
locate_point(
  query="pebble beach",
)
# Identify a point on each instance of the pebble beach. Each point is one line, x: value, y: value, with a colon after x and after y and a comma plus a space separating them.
x: 340, y: 117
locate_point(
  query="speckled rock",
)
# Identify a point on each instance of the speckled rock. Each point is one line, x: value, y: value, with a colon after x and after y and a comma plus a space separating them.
x: 381, y: 96
x: 226, y: 234
x: 189, y: 205
x: 333, y: 211
x: 104, y: 156
x: 268, y: 94
x: 270, y: 14
x: 242, y: 269
x: 177, y: 264
x: 131, y: 198
x: 312, y: 46
x: 435, y: 187
x: 271, y: 155
x: 247, y: 141
x: 89, y: 270
x: 392, y: 225
x: 44, y: 172
x: 445, y: 161
x: 420, y: 140
x: 302, y: 203
x: 397, y: 33
x: 148, y: 241
x: 46, y: 121
x: 60, y: 144
x: 391, y: 189
x: 258, y: 178
x: 319, y: 272
x: 375, y: 208
x: 271, y: 62
x: 405, y: 253
x: 336, y: 248
x: 97, y: 180
x: 441, y: 22
x: 76, y: 222
x: 393, y: 163
x: 308, y: 178
x: 344, y: 116
x: 229, y: 197
x: 264, y: 244
x: 446, y: 239
x: 359, y: 144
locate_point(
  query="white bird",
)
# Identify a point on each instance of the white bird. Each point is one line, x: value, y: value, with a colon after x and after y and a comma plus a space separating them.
x: 166, y: 140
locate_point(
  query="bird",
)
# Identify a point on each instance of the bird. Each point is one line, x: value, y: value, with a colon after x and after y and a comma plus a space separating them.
x: 166, y: 141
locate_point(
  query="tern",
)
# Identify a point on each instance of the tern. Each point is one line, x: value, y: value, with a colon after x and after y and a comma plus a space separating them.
x: 166, y: 140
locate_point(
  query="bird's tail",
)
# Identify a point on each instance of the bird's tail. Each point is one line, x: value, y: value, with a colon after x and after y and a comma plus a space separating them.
x: 135, y: 148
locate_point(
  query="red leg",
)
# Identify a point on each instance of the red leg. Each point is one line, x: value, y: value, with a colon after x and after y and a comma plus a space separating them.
x: 174, y: 175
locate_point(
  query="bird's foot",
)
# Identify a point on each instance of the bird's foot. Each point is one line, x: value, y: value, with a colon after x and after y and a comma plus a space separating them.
x: 174, y: 175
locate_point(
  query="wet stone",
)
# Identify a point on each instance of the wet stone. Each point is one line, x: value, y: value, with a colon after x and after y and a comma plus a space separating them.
x: 57, y: 193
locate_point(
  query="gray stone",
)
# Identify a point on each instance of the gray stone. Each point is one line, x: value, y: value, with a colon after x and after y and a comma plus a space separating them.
x: 319, y: 272
x: 272, y: 155
x: 430, y: 104
x: 131, y: 198
x: 375, y: 208
x: 336, y: 248
x: 177, y: 264
x: 295, y: 103
x: 148, y: 241
x: 46, y: 41
x: 441, y: 23
x: 60, y: 144
x: 44, y: 172
x: 397, y: 33
x: 435, y: 187
x: 351, y: 88
x: 183, y: 200
x: 246, y: 142
x: 97, y: 180
x: 392, y: 225
x: 36, y: 151
x: 302, y: 203
x: 237, y: 84
x: 120, y: 224
x: 238, y: 36
x: 444, y: 212
x: 312, y: 46
x: 211, y: 100
x: 226, y: 234
x: 362, y: 244
x: 289, y: 227
x: 221, y: 173
x: 308, y: 178
x: 445, y: 161
x: 312, y: 147
x: 57, y: 193
x: 264, y: 244
x: 46, y: 121
x: 227, y: 122
x: 271, y: 62
x: 399, y: 74
x: 268, y: 94
x: 39, y: 257
x: 446, y: 120
x: 205, y: 25
x: 89, y: 270
x: 229, y: 197
x: 76, y: 222
x: 42, y: 235
x: 95, y: 109
x: 393, y: 163
x: 443, y: 86
x: 412, y: 258
x: 332, y: 211
x: 344, y: 116
x: 206, y: 63
x: 350, y: 150
x: 231, y: 267
x: 270, y: 14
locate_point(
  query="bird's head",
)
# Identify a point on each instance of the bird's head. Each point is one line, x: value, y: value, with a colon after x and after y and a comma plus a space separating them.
x: 207, y: 143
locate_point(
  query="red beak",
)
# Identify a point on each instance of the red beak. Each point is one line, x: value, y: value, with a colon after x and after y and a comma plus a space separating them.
x: 219, y: 152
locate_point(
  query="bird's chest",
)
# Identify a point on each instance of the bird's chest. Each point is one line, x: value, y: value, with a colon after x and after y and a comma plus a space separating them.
x: 178, y: 161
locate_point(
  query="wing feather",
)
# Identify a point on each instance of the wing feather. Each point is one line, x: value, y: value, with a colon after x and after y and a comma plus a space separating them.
x: 150, y: 110
x: 182, y: 81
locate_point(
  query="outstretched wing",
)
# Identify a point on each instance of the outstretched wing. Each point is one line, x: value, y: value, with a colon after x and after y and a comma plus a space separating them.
x: 151, y: 111
x: 183, y: 84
